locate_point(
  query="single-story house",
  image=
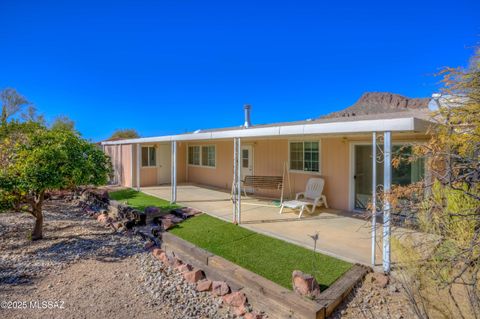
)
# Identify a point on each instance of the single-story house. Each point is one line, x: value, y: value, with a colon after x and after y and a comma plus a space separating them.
x: 352, y: 150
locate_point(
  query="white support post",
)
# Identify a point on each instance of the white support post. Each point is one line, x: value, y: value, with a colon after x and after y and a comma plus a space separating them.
x: 239, y: 181
x: 234, y: 183
x: 174, y: 172
x: 374, y: 195
x: 387, y: 182
x: 139, y: 162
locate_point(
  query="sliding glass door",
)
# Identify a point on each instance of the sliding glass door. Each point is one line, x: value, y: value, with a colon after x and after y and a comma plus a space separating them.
x: 406, y: 173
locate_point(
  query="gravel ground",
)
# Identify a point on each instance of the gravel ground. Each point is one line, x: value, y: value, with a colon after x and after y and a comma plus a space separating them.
x: 368, y: 301
x: 83, y: 270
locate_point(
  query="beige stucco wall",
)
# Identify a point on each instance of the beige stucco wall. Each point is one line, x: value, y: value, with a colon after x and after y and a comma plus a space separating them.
x: 121, y: 162
x: 220, y: 176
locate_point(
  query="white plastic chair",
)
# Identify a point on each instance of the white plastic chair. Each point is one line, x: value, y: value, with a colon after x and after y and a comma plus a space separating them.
x: 311, y: 197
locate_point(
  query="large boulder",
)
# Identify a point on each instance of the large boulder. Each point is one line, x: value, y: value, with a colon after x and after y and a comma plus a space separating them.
x: 305, y: 285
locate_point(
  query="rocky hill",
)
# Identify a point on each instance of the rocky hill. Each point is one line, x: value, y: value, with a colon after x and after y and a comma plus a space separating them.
x: 380, y: 102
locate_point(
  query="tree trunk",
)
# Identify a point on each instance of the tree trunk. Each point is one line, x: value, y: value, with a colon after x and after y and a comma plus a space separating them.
x: 37, y: 204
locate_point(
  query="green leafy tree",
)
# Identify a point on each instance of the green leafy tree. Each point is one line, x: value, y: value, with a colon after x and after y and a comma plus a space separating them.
x: 63, y: 123
x: 124, y: 134
x: 36, y: 159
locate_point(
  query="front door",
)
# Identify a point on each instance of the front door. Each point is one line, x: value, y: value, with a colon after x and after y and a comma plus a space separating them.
x: 164, y: 162
x: 247, y: 162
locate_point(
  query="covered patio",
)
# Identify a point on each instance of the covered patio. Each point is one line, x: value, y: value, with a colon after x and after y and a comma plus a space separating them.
x: 341, y: 234
x: 345, y: 153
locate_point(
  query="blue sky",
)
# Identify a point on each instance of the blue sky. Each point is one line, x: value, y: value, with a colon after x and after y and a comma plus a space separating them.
x: 166, y: 67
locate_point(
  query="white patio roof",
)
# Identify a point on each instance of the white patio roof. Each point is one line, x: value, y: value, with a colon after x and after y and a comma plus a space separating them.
x: 402, y: 124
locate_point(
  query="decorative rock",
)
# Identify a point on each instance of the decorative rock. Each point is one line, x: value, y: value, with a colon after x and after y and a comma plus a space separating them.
x: 235, y: 299
x: 240, y: 310
x: 220, y: 288
x: 167, y: 224
x: 184, y: 268
x: 177, y: 262
x: 102, y: 218
x: 156, y: 252
x: 113, y: 210
x: 173, y: 218
x: 186, y: 211
x: 164, y: 258
x: 193, y: 276
x: 150, y: 210
x: 118, y: 225
x: 104, y: 196
x: 252, y: 315
x: 380, y: 280
x: 305, y: 285
x: 204, y: 285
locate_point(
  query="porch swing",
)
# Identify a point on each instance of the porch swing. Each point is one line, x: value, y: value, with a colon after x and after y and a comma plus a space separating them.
x: 263, y: 182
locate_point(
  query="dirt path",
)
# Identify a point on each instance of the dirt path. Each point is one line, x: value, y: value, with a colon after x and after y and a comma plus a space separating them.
x: 88, y: 289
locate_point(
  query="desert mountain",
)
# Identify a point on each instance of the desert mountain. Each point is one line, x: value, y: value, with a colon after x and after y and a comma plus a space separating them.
x: 380, y: 102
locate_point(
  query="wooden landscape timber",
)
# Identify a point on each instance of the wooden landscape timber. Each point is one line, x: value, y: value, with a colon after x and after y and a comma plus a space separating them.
x: 262, y: 293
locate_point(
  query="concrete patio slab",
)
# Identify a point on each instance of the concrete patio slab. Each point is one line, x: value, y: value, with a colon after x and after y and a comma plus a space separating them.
x: 344, y: 235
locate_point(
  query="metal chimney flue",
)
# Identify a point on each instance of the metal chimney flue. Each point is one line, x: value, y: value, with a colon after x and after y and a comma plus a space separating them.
x: 247, y: 108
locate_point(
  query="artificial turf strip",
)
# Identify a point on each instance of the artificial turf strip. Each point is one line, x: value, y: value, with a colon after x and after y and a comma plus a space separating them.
x: 139, y: 200
x: 269, y: 257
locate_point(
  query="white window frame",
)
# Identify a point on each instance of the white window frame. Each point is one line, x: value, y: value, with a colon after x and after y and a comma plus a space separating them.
x: 201, y: 155
x: 319, y: 141
x: 148, y: 155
